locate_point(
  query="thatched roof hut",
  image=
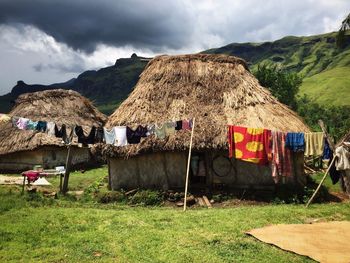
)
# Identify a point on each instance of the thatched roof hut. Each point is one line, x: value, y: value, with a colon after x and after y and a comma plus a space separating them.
x: 216, y: 90
x: 60, y: 106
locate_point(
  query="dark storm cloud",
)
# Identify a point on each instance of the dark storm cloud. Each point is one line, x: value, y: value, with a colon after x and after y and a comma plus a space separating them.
x: 84, y: 24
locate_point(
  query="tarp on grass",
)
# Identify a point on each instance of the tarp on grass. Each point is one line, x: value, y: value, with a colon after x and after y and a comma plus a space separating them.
x: 325, y: 242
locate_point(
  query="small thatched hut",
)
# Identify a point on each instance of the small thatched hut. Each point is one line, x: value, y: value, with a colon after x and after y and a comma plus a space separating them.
x: 21, y: 149
x: 215, y: 89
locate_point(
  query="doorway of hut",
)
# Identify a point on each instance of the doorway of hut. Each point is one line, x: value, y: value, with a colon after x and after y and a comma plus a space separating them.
x: 198, y: 172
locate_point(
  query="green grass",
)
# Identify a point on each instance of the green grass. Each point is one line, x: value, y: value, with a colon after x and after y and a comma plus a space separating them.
x: 327, y: 182
x: 331, y: 87
x: 71, y: 232
x: 78, y: 180
x: 37, y: 228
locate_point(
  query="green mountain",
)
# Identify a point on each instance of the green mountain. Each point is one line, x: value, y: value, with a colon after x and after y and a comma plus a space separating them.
x: 324, y: 67
x: 106, y: 87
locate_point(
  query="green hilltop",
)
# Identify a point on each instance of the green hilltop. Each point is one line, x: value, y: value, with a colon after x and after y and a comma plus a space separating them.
x: 324, y: 67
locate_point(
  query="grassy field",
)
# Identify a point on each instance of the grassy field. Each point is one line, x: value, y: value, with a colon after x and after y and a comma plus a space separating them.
x: 37, y: 228
x: 331, y: 87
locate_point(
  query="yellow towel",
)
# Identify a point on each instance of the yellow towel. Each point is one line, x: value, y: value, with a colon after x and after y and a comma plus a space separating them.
x: 314, y: 142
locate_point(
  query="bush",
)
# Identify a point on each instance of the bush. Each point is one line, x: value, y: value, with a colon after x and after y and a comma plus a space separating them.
x: 111, y: 197
x: 146, y: 197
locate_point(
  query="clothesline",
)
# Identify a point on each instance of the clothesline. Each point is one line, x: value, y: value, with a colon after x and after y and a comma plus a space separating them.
x: 117, y: 136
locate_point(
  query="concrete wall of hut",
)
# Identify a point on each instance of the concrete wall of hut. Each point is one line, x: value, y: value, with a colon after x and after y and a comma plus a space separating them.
x: 150, y: 171
x: 48, y: 157
x: 234, y: 173
x: 167, y: 170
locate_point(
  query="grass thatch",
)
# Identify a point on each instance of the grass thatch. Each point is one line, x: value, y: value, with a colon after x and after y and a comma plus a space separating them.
x: 215, y: 89
x: 60, y: 106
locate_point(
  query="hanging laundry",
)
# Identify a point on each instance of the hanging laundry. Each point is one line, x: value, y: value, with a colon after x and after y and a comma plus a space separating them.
x: 295, y: 141
x: 41, y: 127
x: 150, y: 129
x: 109, y: 136
x: 62, y: 133
x: 85, y: 140
x: 32, y: 176
x: 343, y: 158
x: 250, y: 144
x: 187, y: 125
x: 333, y: 172
x: 121, y: 136
x: 281, y: 165
x: 14, y: 121
x: 314, y: 143
x: 50, y: 128
x: 31, y: 125
x: 160, y: 131
x: 22, y: 123
x: 99, y: 135
x: 4, y: 118
x: 178, y: 125
x: 134, y: 136
x: 169, y: 128
x: 327, y: 152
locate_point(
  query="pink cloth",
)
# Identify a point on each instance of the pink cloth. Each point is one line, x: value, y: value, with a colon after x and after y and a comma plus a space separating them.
x: 187, y: 125
x: 32, y: 176
x: 22, y: 123
x: 281, y: 156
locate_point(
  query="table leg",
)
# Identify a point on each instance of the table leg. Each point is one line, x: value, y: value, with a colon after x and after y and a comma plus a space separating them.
x: 24, y: 182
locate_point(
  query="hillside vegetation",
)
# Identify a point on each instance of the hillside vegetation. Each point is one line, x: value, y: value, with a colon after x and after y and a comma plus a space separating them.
x: 331, y: 87
x: 324, y: 67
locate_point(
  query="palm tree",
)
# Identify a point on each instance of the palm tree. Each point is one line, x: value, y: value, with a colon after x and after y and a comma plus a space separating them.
x: 341, y: 37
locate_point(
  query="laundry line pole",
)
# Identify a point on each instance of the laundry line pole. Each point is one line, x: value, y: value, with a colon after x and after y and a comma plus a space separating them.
x: 188, y: 164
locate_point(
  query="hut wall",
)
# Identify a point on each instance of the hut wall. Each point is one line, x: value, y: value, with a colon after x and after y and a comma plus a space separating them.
x: 48, y: 157
x: 167, y: 170
x: 164, y: 170
x: 236, y: 173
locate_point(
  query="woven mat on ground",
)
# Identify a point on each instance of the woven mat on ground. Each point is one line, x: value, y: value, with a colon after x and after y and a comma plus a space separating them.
x: 324, y: 242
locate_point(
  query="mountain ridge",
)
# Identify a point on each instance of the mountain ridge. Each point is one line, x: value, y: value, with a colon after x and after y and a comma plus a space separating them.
x: 312, y: 57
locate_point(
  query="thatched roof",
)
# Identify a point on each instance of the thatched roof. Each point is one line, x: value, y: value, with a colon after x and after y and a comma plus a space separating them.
x: 215, y: 89
x: 60, y: 106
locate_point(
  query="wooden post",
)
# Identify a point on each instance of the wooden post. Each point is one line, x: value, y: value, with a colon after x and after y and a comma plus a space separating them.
x: 319, y: 186
x: 24, y: 182
x: 66, y: 175
x: 188, y: 164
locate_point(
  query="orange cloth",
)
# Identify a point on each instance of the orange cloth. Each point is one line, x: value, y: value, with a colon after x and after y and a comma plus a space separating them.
x: 250, y: 144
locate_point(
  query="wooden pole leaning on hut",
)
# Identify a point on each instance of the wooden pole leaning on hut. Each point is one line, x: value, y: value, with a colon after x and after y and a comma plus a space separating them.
x: 188, y: 164
x: 332, y: 146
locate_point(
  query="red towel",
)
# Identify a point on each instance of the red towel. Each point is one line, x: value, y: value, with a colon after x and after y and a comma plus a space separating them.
x: 249, y: 144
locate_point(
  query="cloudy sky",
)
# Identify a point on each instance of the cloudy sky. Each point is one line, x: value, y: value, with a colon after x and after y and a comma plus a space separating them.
x: 52, y: 41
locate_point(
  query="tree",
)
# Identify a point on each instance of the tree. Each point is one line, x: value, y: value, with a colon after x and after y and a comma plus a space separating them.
x: 283, y: 85
x: 341, y: 37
